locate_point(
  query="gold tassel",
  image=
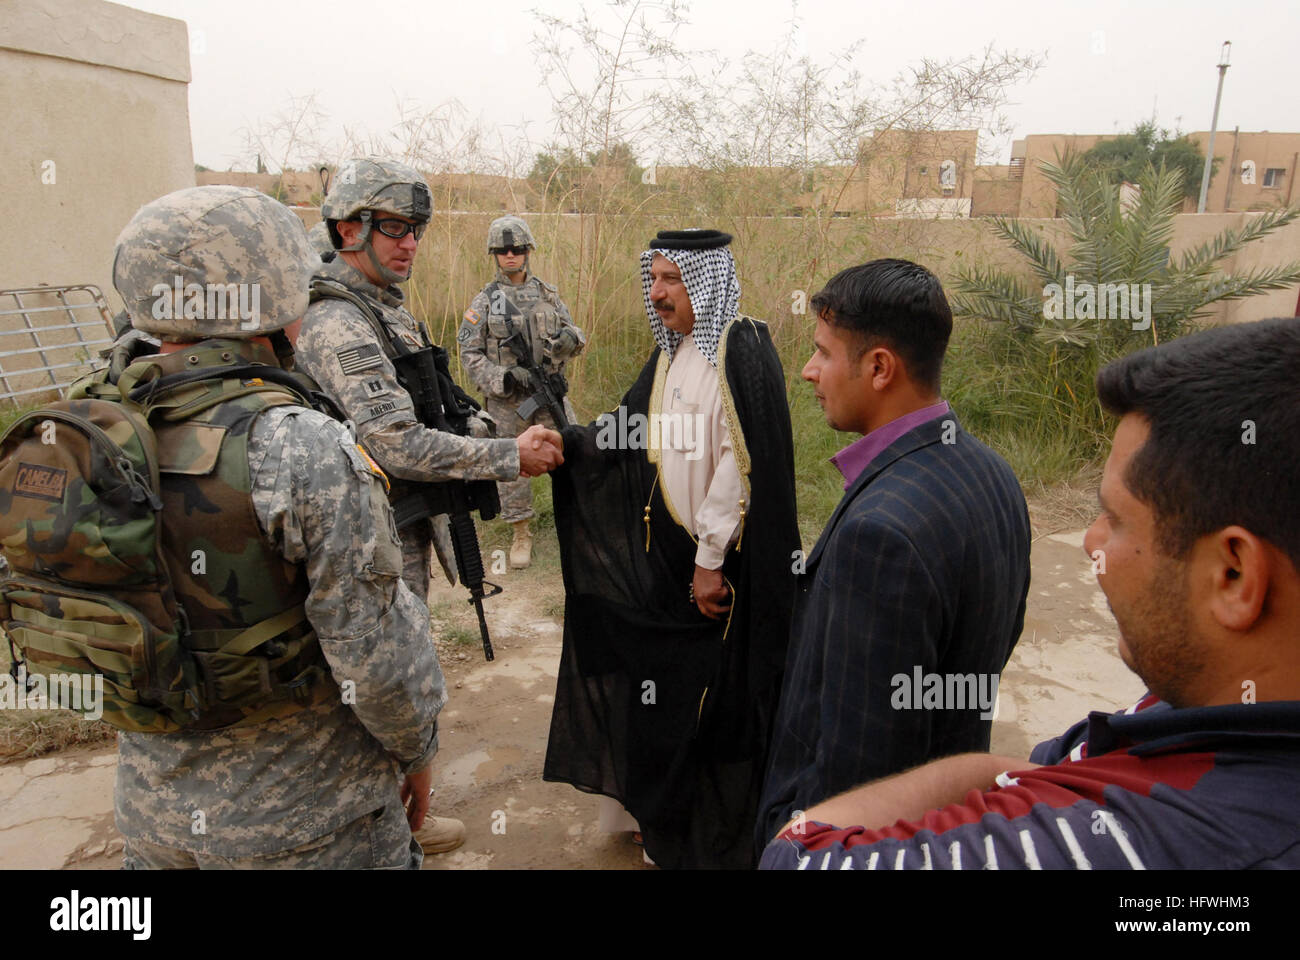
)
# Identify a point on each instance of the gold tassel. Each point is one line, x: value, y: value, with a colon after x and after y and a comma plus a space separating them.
x: 741, y: 536
x: 647, y: 528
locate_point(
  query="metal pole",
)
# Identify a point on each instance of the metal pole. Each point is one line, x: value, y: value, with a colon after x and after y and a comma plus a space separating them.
x: 1214, y: 123
x: 1232, y: 169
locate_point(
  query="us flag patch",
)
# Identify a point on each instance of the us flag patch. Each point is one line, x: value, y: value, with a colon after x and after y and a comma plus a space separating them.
x: 360, y: 357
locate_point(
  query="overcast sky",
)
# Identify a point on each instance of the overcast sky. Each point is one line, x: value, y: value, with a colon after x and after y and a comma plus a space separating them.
x: 1109, y: 63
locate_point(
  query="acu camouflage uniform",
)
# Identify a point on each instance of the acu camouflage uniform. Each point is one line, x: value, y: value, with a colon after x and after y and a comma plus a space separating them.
x: 284, y: 491
x: 535, y: 311
x: 329, y: 543
x: 342, y: 351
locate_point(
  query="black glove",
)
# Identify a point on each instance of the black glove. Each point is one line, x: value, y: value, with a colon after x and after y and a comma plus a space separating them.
x: 561, y: 346
x: 516, y: 378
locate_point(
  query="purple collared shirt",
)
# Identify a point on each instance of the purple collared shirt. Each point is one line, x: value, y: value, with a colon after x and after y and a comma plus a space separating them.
x: 857, y: 456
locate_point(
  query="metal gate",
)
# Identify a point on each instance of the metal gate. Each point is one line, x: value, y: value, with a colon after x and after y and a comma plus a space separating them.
x: 49, y: 337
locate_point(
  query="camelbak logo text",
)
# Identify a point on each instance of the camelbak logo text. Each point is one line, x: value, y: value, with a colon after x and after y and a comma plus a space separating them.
x: 43, y: 483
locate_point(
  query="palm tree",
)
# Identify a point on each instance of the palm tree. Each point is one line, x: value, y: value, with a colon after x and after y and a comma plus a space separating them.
x: 1047, y: 357
x: 1116, y: 242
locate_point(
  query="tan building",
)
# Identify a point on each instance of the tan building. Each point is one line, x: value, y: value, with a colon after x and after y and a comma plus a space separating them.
x: 905, y: 173
x: 1020, y: 188
x: 926, y: 173
x: 292, y: 187
x: 1256, y: 170
x: 1263, y: 169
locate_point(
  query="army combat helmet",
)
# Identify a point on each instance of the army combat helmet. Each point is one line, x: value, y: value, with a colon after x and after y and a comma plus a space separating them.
x: 510, y: 231
x: 213, y: 262
x: 370, y: 185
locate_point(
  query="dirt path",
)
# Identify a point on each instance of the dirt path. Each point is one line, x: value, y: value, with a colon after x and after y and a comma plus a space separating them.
x: 56, y: 811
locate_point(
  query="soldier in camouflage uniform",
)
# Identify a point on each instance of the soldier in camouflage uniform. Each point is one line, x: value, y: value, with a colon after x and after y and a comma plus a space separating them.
x: 343, y: 779
x: 375, y: 212
x: 516, y: 302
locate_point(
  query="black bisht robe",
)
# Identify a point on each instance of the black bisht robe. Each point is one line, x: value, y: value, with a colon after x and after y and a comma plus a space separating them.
x: 656, y: 705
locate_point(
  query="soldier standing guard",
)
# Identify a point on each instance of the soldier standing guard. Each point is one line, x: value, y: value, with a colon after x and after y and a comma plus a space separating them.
x: 375, y: 213
x: 515, y: 315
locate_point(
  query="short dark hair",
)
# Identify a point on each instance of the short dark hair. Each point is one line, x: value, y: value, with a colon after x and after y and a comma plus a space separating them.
x: 896, y: 303
x: 1223, y: 407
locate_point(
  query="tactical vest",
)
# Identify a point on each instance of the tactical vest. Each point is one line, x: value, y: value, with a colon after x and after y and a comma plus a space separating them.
x: 327, y: 288
x: 512, y: 318
x: 394, y: 347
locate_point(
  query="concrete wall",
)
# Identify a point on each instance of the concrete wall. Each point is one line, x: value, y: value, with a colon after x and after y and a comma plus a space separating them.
x: 777, y: 257
x: 296, y: 188
x: 94, y: 101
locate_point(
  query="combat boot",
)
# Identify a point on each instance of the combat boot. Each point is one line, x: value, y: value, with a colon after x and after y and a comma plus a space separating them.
x: 440, y: 834
x: 521, y: 550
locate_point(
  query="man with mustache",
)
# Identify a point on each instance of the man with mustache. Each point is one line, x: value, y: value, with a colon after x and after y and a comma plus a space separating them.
x: 676, y: 521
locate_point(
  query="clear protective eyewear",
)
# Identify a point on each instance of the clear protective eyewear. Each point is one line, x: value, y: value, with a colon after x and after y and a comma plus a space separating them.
x: 397, y: 229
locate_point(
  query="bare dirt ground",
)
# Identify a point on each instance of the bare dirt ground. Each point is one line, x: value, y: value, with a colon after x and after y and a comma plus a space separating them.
x: 56, y: 811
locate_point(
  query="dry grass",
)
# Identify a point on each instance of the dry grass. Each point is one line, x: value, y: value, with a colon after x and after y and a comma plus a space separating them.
x: 1064, y: 506
x: 25, y: 734
x: 33, y: 733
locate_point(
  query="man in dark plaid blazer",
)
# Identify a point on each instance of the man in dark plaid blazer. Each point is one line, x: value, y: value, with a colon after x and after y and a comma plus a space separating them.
x: 914, y: 596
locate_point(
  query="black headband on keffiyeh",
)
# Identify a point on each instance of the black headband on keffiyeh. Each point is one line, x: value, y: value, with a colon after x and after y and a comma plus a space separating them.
x: 709, y: 273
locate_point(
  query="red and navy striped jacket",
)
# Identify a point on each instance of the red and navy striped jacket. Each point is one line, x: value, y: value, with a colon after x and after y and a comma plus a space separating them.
x: 1150, y: 788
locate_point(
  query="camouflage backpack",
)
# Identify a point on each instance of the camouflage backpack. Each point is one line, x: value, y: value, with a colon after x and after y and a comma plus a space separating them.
x: 92, y: 595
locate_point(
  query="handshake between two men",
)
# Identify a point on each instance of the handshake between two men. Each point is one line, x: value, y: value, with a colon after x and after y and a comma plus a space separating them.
x: 541, y: 450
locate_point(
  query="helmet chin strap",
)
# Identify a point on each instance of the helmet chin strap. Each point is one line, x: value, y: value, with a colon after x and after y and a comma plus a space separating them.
x: 390, y: 276
x: 363, y: 243
x: 506, y: 273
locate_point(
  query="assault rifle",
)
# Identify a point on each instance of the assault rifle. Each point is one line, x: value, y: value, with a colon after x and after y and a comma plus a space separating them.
x: 440, y: 404
x: 549, y: 388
